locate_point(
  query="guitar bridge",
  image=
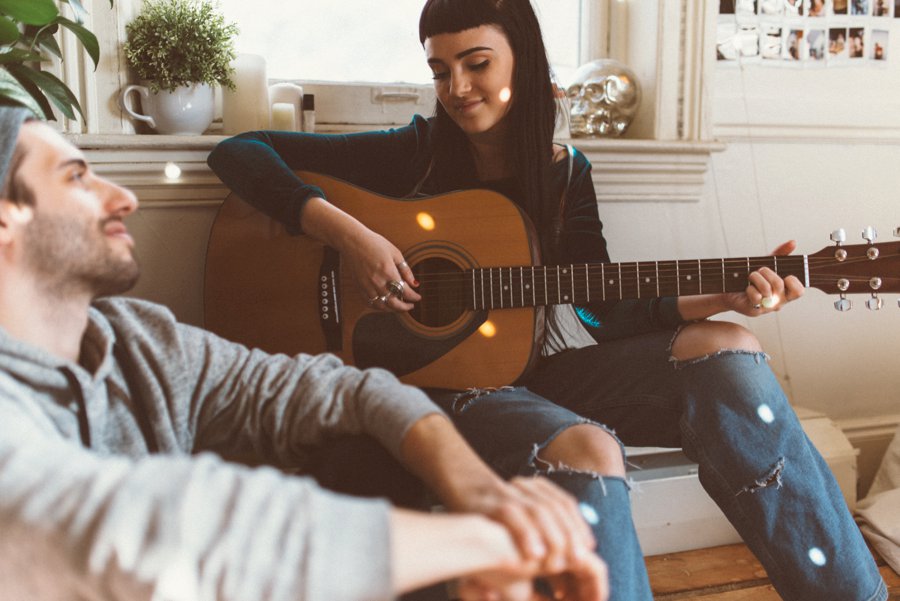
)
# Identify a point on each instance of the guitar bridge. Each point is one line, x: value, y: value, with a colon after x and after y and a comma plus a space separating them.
x: 330, y: 309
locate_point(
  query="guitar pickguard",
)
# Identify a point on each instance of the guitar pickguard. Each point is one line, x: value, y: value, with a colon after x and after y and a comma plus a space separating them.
x: 380, y: 340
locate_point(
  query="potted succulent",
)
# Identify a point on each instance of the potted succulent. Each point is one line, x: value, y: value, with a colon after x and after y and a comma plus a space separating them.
x: 27, y: 39
x: 180, y: 49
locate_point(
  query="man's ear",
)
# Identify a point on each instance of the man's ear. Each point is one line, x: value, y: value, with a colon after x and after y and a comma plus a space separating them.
x: 13, y: 216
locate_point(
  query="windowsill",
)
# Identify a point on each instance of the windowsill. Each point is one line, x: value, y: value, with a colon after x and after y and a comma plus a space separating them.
x: 624, y: 170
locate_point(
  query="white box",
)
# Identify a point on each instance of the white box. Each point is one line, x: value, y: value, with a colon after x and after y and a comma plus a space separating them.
x: 673, y: 513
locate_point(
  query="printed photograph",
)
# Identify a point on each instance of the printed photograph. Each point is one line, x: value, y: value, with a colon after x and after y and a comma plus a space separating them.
x: 771, y: 43
x: 726, y: 7
x: 881, y: 8
x: 726, y: 41
x: 860, y: 8
x: 817, y: 8
x: 747, y: 41
x: 879, y: 44
x: 793, y: 8
x: 771, y: 8
x: 816, y: 43
x: 837, y: 43
x: 745, y: 7
x: 796, y: 46
x: 856, y: 42
x: 839, y: 7
x: 897, y: 9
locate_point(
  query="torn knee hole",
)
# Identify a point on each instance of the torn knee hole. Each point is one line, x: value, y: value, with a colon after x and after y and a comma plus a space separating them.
x: 463, y: 400
x: 771, y: 478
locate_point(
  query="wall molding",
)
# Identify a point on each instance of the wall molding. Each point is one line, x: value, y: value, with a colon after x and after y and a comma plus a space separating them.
x: 623, y: 170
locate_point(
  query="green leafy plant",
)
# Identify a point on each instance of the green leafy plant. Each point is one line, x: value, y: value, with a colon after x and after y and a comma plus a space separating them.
x: 27, y: 39
x: 174, y: 43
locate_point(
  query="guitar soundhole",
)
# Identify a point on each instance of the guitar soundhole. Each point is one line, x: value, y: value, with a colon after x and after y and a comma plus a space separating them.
x: 443, y: 288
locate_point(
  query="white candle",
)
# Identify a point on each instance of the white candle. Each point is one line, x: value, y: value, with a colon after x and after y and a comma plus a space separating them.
x: 283, y: 117
x: 287, y: 93
x: 246, y: 108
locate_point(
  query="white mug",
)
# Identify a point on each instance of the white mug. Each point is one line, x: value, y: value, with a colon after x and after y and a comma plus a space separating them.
x: 187, y: 110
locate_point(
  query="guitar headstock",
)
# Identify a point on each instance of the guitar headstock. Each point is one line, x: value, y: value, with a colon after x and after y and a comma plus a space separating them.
x: 870, y: 268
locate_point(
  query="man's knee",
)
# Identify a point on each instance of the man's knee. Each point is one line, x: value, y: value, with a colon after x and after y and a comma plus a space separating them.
x: 585, y: 447
x: 709, y: 337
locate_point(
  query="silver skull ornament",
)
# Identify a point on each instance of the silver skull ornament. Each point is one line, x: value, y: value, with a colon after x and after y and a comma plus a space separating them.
x: 603, y: 98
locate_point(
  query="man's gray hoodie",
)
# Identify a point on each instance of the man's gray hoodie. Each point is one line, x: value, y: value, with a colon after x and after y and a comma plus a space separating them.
x: 110, y: 488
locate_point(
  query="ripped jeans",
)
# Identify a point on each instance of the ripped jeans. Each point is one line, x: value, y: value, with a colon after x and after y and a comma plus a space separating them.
x: 727, y: 412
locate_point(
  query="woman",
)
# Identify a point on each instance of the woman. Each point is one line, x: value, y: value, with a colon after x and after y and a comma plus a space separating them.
x: 652, y: 370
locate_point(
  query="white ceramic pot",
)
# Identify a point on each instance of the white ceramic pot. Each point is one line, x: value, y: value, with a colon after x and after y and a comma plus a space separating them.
x: 187, y: 111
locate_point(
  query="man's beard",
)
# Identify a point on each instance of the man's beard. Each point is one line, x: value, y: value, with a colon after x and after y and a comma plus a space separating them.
x: 72, y: 256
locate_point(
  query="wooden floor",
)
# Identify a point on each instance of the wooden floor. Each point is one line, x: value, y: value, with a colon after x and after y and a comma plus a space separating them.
x: 729, y: 573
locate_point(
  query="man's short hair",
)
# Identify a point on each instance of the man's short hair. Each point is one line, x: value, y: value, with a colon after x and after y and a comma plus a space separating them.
x: 14, y: 188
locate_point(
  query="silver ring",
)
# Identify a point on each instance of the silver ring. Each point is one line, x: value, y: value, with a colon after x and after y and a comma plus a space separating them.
x: 757, y: 307
x: 373, y: 299
x: 396, y: 288
x: 383, y: 298
x: 402, y: 264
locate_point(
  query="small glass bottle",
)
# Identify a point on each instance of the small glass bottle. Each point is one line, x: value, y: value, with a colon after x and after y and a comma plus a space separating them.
x: 309, y: 112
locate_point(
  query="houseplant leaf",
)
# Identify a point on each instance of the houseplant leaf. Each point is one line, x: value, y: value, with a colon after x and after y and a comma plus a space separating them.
x: 17, y: 55
x: 87, y: 39
x: 13, y: 92
x: 9, y: 32
x: 78, y: 9
x: 32, y: 12
x: 52, y: 88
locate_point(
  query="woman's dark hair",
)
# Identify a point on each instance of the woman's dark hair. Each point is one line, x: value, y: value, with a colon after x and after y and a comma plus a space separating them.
x: 532, y: 112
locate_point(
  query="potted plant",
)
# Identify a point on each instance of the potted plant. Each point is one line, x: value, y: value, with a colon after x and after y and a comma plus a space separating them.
x: 27, y: 39
x: 180, y: 49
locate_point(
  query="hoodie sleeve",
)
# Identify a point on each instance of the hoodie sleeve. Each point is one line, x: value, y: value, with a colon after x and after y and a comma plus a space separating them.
x: 171, y: 528
x: 222, y: 396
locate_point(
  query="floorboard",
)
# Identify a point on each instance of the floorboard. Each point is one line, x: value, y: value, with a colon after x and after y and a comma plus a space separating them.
x: 727, y: 573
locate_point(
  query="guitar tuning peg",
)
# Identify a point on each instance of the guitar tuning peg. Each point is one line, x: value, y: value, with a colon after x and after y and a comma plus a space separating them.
x: 870, y: 234
x: 875, y: 303
x: 839, y: 235
x: 844, y: 304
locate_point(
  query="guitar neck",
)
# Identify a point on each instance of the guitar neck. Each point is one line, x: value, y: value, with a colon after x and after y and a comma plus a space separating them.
x: 509, y: 287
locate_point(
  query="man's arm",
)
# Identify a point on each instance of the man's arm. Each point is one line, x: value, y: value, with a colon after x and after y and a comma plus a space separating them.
x: 544, y: 520
x: 197, y: 528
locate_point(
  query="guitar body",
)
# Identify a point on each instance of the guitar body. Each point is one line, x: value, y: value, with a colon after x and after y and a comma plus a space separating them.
x: 288, y: 294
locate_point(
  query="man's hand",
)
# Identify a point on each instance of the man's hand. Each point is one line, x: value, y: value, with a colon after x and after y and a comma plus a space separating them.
x: 544, y: 521
x: 584, y: 579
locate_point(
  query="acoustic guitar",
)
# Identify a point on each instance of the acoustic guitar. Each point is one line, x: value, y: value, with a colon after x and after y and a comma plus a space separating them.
x: 480, y: 321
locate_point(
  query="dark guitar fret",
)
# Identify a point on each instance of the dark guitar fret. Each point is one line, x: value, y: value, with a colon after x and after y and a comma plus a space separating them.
x: 648, y: 279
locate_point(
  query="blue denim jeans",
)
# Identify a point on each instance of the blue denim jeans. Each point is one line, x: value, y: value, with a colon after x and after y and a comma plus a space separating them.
x: 729, y: 414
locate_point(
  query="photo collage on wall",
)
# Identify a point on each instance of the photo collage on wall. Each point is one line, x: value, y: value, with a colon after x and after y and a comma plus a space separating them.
x: 806, y: 33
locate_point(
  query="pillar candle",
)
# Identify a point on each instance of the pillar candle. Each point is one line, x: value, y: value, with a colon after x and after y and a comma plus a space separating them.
x: 283, y: 117
x: 246, y: 108
x: 287, y: 93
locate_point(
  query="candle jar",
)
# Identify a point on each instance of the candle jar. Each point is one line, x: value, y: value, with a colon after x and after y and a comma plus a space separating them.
x: 246, y: 108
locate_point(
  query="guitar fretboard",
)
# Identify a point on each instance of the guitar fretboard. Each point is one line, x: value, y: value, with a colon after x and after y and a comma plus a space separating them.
x: 531, y: 286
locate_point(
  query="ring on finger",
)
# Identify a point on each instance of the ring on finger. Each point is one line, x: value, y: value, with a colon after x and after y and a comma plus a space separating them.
x: 383, y: 298
x: 402, y: 265
x: 374, y: 299
x: 769, y: 301
x: 396, y: 288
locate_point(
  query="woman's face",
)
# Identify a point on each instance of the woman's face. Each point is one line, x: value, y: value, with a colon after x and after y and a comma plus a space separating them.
x: 473, y: 72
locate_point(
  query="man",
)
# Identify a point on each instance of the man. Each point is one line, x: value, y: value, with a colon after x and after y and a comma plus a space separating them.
x: 109, y: 408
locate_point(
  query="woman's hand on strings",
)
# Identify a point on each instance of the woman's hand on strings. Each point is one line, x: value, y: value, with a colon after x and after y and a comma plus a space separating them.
x: 766, y: 291
x: 383, y: 276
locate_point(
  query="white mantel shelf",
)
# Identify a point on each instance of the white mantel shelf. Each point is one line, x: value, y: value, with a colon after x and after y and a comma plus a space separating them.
x: 623, y: 170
